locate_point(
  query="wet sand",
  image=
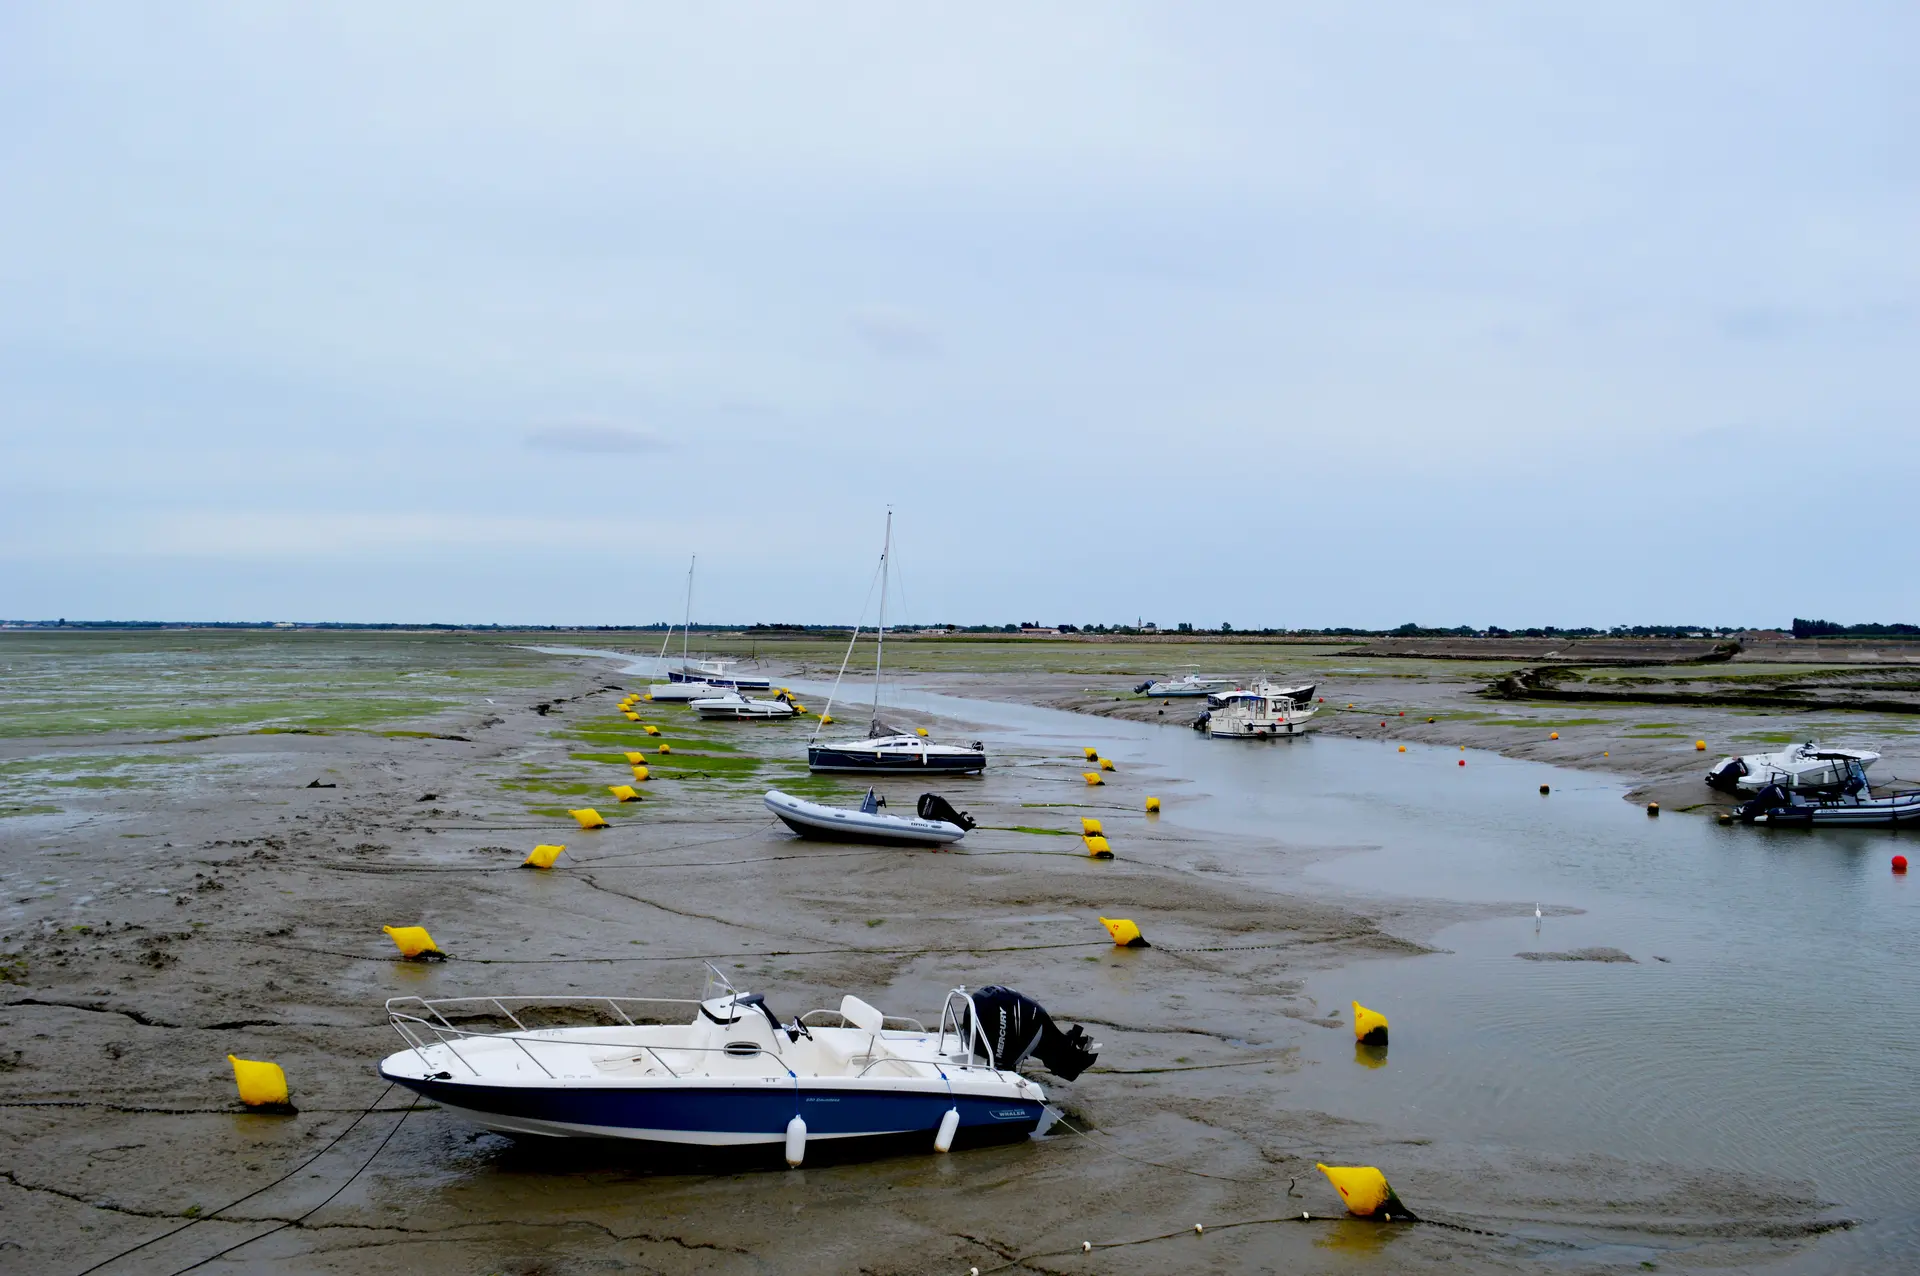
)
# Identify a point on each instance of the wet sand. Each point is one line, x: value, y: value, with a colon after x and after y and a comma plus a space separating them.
x: 150, y: 932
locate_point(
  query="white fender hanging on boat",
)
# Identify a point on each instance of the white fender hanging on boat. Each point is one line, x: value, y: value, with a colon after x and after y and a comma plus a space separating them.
x: 949, y: 1125
x: 796, y: 1140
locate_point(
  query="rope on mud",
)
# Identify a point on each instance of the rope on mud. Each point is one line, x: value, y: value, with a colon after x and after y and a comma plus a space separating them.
x: 1097, y: 1146
x: 778, y: 952
x: 201, y: 1218
x: 295, y: 1222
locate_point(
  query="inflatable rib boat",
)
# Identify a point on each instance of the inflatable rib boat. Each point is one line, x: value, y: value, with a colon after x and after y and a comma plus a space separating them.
x: 936, y: 822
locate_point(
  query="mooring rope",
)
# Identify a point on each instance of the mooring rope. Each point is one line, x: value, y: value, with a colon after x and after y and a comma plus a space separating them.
x: 201, y: 1218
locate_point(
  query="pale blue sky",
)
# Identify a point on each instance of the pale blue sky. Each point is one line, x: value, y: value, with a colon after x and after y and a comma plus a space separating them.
x: 1276, y: 314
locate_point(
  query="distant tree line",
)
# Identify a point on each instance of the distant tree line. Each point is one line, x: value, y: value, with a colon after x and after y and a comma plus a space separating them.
x: 1828, y: 629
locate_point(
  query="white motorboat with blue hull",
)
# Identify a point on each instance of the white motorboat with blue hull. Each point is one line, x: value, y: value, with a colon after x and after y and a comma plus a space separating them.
x: 735, y: 1076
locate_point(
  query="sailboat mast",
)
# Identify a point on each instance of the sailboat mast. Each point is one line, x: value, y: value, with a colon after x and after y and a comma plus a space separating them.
x: 880, y: 636
x: 686, y: 625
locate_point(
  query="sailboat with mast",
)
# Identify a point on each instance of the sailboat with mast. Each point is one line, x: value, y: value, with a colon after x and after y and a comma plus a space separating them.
x: 678, y: 685
x: 887, y: 749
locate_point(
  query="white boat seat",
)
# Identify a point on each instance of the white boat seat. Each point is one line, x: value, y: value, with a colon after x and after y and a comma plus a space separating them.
x: 861, y: 1015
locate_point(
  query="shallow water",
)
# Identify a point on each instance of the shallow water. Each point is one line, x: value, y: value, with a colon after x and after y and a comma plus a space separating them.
x: 1779, y: 1036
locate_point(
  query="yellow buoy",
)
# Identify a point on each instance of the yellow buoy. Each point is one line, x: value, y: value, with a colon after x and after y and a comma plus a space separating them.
x: 625, y: 792
x: 1097, y: 846
x: 542, y: 857
x: 1403, y: 748
x: 1349, y: 706
x: 1092, y: 777
x: 589, y: 818
x: 632, y: 716
x: 1125, y: 933
x: 825, y: 718
x: 412, y: 941
x: 648, y: 696
x: 1365, y: 1191
x: 1431, y: 720
x: 921, y: 732
x: 666, y: 748
x: 1153, y: 806
x: 651, y: 729
x: 1106, y: 764
x: 1553, y: 735
x: 635, y: 757
x: 1090, y: 826
x: 1700, y: 744
x: 261, y: 1084
x: 800, y: 708
x: 1093, y: 754
x: 1369, y: 1026
x: 640, y: 775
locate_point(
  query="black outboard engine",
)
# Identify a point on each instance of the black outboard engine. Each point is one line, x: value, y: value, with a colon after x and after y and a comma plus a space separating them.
x: 934, y: 807
x: 1774, y: 802
x: 1016, y: 1026
x: 1200, y: 723
x: 1726, y: 775
x: 1141, y: 690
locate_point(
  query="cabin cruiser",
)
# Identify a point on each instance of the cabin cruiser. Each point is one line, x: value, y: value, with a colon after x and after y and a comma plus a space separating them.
x: 935, y: 822
x: 1257, y: 711
x: 1193, y: 684
x: 726, y: 1072
x: 733, y: 705
x: 1808, y: 768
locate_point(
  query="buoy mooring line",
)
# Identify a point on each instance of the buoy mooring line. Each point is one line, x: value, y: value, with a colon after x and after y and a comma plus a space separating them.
x: 201, y: 1218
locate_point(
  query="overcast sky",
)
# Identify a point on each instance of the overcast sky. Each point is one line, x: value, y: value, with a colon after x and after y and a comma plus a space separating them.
x: 1275, y: 314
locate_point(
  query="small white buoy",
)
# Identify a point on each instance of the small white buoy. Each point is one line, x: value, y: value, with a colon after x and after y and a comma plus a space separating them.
x: 1304, y: 1214
x: 796, y: 1140
x: 1086, y: 1247
x: 949, y: 1123
x: 1536, y: 917
x: 1198, y: 1229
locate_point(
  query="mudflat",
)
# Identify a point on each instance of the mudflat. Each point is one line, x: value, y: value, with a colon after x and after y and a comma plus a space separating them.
x: 201, y: 836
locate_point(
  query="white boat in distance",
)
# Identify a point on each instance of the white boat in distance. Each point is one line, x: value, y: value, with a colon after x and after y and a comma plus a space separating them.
x: 677, y: 692
x: 1807, y: 768
x: 1258, y: 711
x: 733, y: 705
x: 718, y: 673
x: 1193, y: 684
x: 730, y: 1075
x: 937, y: 824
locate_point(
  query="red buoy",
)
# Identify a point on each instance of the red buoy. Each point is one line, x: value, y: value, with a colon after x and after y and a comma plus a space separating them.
x: 1463, y: 761
x: 1899, y: 863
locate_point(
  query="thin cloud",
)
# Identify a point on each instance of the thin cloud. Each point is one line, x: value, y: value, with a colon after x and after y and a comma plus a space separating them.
x: 594, y: 438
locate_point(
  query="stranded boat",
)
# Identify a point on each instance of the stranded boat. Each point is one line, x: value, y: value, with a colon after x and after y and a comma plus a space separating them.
x: 887, y: 748
x: 717, y: 673
x: 732, y: 705
x: 1261, y: 710
x: 1193, y: 684
x: 937, y: 823
x: 1853, y: 807
x: 730, y: 1074
x: 1806, y: 767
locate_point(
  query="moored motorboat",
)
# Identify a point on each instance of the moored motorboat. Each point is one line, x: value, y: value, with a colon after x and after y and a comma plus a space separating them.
x: 730, y: 1074
x: 677, y: 692
x: 936, y: 822
x: 1808, y: 767
x: 733, y: 705
x: 1854, y: 806
x: 1262, y: 710
x: 1193, y: 684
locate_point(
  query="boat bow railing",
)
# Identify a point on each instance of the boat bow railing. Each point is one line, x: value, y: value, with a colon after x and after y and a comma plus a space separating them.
x: 423, y: 1021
